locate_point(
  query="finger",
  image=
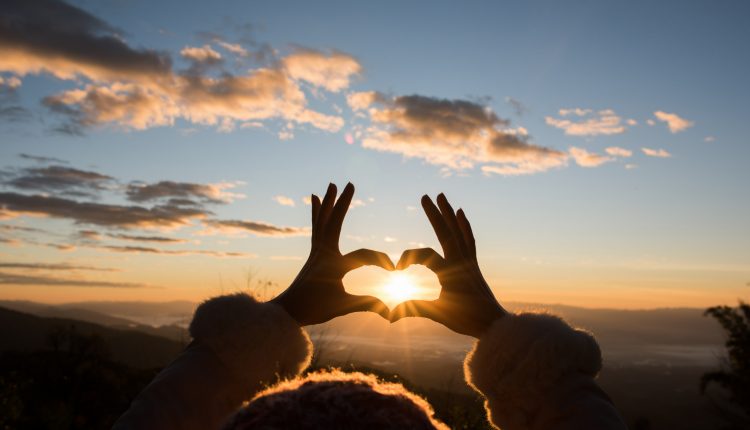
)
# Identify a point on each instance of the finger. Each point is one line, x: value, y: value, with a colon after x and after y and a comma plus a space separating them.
x: 368, y: 257
x: 417, y: 308
x: 442, y: 231
x: 325, y: 209
x: 427, y: 257
x: 339, y: 212
x: 450, y: 219
x: 365, y: 304
x: 315, y: 203
x: 465, y: 226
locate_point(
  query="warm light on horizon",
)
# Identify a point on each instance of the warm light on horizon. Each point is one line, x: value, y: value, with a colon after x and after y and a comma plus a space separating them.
x: 399, y: 287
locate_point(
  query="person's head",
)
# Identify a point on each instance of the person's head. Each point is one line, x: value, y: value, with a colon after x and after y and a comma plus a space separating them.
x: 335, y: 400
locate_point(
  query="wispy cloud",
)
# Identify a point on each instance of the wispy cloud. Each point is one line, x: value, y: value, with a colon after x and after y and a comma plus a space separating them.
x: 284, y: 200
x: 16, y: 279
x: 42, y: 160
x: 178, y: 252
x: 108, y: 215
x: 585, y: 158
x: 587, y: 122
x: 616, y: 151
x: 659, y: 153
x: 203, y: 193
x: 54, y: 266
x: 59, y: 179
x: 675, y: 123
x: 255, y: 227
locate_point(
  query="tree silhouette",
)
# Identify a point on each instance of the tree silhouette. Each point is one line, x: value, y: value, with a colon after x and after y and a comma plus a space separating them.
x: 734, y: 375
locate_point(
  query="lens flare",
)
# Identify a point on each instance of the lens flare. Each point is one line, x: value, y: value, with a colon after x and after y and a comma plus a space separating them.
x: 398, y: 288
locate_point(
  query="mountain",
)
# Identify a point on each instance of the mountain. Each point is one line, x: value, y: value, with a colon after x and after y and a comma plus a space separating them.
x: 25, y: 332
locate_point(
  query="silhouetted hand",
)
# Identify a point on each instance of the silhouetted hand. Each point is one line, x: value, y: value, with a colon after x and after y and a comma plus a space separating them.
x: 317, y: 294
x: 466, y: 304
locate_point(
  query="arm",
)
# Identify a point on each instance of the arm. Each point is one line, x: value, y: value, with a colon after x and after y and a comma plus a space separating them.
x: 534, y: 371
x: 236, y: 351
x: 241, y: 345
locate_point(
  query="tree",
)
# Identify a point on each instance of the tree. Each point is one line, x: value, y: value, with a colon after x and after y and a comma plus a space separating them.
x: 734, y: 375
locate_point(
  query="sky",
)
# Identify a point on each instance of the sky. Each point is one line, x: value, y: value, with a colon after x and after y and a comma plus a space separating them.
x: 167, y: 150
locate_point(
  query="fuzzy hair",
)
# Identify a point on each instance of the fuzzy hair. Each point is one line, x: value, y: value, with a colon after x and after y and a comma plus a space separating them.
x: 332, y: 399
x: 252, y: 338
x: 518, y: 362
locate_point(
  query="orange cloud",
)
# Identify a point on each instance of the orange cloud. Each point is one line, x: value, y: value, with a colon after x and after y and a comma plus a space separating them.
x: 455, y: 134
x: 616, y: 151
x: 138, y: 89
x: 659, y: 153
x: 332, y: 72
x: 201, y: 54
x: 675, y: 123
x: 588, y: 122
x: 585, y: 158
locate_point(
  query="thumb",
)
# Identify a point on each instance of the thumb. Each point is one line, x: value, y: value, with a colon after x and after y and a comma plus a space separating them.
x: 365, y: 304
x: 416, y: 308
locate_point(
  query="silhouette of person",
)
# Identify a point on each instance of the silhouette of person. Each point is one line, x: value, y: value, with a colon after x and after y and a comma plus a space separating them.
x: 534, y: 370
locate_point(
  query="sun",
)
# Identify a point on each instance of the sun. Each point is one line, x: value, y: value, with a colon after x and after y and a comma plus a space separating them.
x: 398, y: 288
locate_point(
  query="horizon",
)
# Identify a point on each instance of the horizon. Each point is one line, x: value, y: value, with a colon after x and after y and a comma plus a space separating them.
x: 168, y: 152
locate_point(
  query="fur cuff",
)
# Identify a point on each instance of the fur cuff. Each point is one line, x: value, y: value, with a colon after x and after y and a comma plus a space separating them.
x: 518, y: 362
x: 256, y: 341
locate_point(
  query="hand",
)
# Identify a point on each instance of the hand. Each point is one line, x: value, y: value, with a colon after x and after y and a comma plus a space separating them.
x: 317, y: 294
x: 466, y: 304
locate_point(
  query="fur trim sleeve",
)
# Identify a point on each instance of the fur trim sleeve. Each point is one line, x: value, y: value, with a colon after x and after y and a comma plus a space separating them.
x: 536, y: 372
x: 258, y: 342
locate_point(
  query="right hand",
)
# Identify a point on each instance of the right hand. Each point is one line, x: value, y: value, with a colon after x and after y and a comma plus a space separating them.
x: 466, y: 304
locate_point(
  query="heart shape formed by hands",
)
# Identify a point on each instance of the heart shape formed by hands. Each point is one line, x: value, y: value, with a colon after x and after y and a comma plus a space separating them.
x: 393, y: 287
x: 465, y: 304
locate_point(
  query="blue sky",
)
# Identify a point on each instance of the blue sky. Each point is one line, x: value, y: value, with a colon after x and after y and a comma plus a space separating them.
x: 580, y: 225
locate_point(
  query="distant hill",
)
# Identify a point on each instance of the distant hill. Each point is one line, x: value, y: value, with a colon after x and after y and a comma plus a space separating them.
x: 25, y: 332
x: 78, y: 311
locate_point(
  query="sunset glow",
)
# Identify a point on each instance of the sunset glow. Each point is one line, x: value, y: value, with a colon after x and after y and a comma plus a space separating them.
x: 398, y: 288
x: 167, y: 152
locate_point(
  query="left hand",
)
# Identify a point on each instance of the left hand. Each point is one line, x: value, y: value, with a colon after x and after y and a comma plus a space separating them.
x: 317, y: 294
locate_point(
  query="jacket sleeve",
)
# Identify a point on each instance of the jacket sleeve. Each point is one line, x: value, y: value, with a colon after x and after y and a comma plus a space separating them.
x: 536, y: 372
x: 239, y: 346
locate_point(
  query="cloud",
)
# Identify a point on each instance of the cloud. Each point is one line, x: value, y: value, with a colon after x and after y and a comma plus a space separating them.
x: 616, y: 151
x: 14, y: 279
x: 137, y: 238
x: 660, y: 153
x: 586, y: 122
x: 181, y: 193
x: 60, y: 179
x: 60, y: 39
x: 54, y: 266
x: 201, y: 54
x: 675, y: 123
x: 255, y: 227
x: 361, y: 100
x: 127, y: 88
x: 587, y: 159
x: 234, y: 48
x: 454, y: 134
x: 42, y: 160
x: 284, y: 200
x: 709, y: 139
x: 180, y: 252
x: 11, y: 82
x: 519, y: 108
x: 107, y: 215
x: 331, y: 71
